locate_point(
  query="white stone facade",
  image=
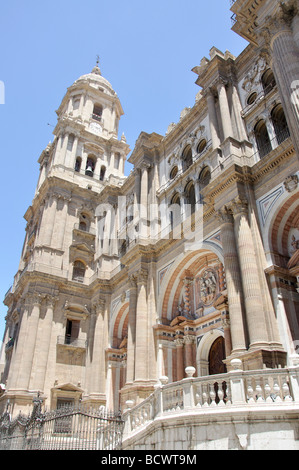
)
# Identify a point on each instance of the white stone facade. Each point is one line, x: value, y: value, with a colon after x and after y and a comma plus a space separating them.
x: 190, y: 261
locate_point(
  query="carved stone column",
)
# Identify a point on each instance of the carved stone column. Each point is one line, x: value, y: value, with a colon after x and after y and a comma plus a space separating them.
x: 250, y: 277
x: 60, y: 221
x: 97, y: 382
x: 189, y: 341
x: 43, y: 344
x: 141, y: 353
x: 212, y: 119
x: 179, y: 342
x: 132, y: 330
x: 233, y: 281
x: 224, y: 110
x: 49, y: 219
x: 279, y: 37
x: 33, y: 312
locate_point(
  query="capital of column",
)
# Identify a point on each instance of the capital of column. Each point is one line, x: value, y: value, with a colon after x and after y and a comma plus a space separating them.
x: 132, y: 281
x: 225, y: 216
x: 142, y: 276
x: 98, y: 307
x: 189, y: 339
x: 279, y: 22
x: 33, y: 299
x: 51, y: 300
x: 179, y: 342
x: 239, y: 206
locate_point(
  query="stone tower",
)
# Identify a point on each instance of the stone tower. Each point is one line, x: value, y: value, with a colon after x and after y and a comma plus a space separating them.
x: 61, y: 249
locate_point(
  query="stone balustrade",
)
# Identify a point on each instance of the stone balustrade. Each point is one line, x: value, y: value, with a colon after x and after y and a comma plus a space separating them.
x: 235, y: 391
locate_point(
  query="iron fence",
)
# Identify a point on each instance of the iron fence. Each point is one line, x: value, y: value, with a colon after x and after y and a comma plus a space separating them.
x: 67, y: 428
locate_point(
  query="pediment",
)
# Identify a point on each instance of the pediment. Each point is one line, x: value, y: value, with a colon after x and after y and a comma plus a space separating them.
x: 69, y: 387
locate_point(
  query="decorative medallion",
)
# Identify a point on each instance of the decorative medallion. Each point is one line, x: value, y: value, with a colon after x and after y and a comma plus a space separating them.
x: 207, y: 287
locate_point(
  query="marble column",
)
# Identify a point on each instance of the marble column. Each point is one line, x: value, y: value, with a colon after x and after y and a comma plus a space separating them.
x: 214, y: 129
x: 19, y: 344
x: 179, y: 342
x: 43, y: 344
x: 224, y: 110
x: 144, y: 185
x: 131, y: 330
x: 189, y: 344
x: 60, y: 222
x: 255, y: 317
x: 279, y: 36
x: 97, y: 382
x: 48, y: 221
x: 233, y: 281
x: 33, y: 314
x: 141, y: 353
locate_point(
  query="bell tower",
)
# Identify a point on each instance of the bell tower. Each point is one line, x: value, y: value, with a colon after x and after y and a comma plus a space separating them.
x: 86, y: 147
x: 51, y: 303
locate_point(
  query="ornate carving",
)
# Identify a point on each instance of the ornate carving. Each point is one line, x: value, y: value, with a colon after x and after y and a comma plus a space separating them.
x: 224, y: 215
x: 208, y: 286
x: 253, y: 77
x: 239, y: 206
x: 291, y: 183
x: 280, y: 21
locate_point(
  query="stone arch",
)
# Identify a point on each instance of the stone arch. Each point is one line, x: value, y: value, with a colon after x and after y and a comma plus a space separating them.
x: 118, y: 330
x: 203, y: 350
x: 172, y: 283
x: 283, y: 242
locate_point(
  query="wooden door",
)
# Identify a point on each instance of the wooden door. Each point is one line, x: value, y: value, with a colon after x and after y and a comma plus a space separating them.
x: 216, y: 357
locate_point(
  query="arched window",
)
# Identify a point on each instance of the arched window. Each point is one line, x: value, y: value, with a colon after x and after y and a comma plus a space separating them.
x: 173, y: 172
x: 84, y: 223
x: 102, y: 173
x: 70, y: 142
x: 187, y: 158
x: 262, y: 139
x: 78, y: 164
x: 190, y: 197
x: 268, y: 81
x: 204, y: 179
x: 97, y: 112
x: 201, y: 146
x: 175, y: 211
x: 252, y: 98
x: 90, y: 166
x: 280, y: 124
x: 79, y: 269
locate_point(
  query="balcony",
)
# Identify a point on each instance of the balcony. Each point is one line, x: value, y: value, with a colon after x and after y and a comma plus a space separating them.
x: 96, y: 117
x: 214, y: 402
x: 70, y: 342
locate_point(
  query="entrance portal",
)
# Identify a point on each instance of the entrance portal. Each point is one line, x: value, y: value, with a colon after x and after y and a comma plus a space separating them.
x: 216, y: 357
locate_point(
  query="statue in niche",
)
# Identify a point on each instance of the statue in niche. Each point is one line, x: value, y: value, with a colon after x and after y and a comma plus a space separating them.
x: 294, y: 261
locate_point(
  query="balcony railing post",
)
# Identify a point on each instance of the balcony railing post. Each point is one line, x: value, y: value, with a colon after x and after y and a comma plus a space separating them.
x: 294, y: 382
x: 188, y: 393
x: 237, y: 383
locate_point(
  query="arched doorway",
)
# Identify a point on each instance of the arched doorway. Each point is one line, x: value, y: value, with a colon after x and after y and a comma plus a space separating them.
x: 216, y: 357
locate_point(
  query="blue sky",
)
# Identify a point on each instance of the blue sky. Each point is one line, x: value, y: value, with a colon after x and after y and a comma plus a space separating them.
x: 147, y: 50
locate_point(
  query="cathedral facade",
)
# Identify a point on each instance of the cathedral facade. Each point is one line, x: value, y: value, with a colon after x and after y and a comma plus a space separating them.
x: 191, y: 260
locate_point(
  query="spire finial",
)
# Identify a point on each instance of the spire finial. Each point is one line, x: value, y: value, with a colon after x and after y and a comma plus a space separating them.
x: 96, y: 69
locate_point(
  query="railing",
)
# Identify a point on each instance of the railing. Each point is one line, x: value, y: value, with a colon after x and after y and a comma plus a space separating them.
x: 73, y: 342
x: 96, y: 117
x: 88, y: 230
x: 236, y: 390
x: 67, y: 428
